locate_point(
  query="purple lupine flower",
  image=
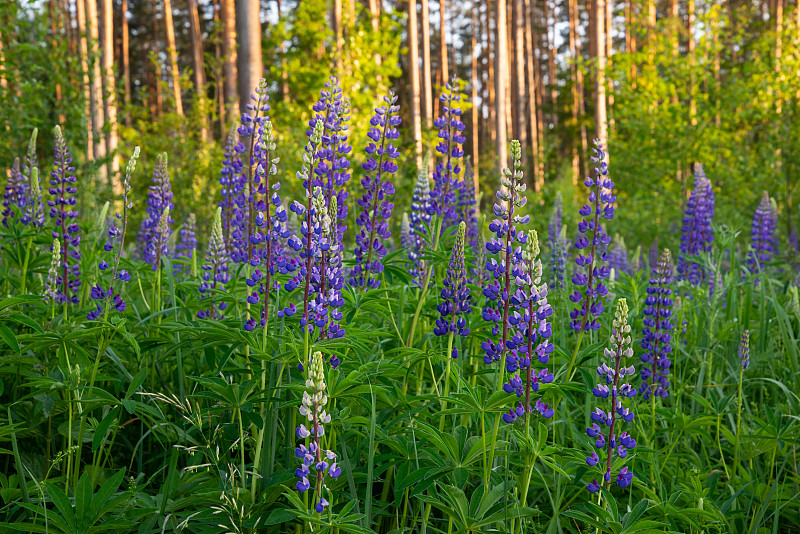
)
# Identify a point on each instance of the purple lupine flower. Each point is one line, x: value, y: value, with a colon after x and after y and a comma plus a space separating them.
x: 557, y: 242
x: 231, y: 181
x: 375, y: 204
x: 153, y: 245
x: 764, y: 243
x: 271, y: 229
x: 744, y: 349
x: 454, y: 306
x: 419, y: 220
x: 504, y: 264
x: 15, y: 194
x: 114, y: 243
x: 446, y: 176
x: 215, y: 271
x: 657, y: 331
x: 613, y: 388
x: 696, y: 232
x: 467, y: 207
x: 618, y: 257
x: 63, y: 190
x: 532, y: 337
x: 34, y: 208
x: 317, y: 464
x: 246, y: 238
x: 187, y: 239
x: 592, y: 240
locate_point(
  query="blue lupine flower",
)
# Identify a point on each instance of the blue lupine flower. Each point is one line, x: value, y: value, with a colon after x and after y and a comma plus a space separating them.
x: 696, y: 232
x: 63, y: 191
x: 612, y: 385
x: 187, y: 241
x: 374, y: 203
x: 556, y: 241
x: 467, y: 207
x: 15, y: 194
x: 153, y: 245
x: 34, y: 207
x: 505, y: 264
x: 656, y: 333
x: 592, y: 241
x: 231, y: 181
x: 419, y: 220
x: 454, y: 306
x: 618, y: 257
x: 446, y: 176
x: 764, y: 243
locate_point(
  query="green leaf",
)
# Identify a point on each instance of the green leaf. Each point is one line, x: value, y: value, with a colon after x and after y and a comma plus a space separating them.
x: 8, y: 336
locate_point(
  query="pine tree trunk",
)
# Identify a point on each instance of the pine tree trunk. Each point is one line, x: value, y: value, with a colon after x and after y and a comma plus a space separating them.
x: 198, y: 64
x: 690, y: 9
x: 228, y: 15
x: 609, y: 53
x: 251, y: 67
x: 284, y: 71
x: 509, y: 69
x: 110, y: 83
x: 519, y: 75
x: 551, y: 58
x: 601, y: 120
x: 630, y: 35
x: 98, y: 113
x: 219, y: 91
x: 172, y: 52
x: 474, y: 98
x: 491, y: 61
x: 125, y: 60
x: 530, y: 54
x: 578, y: 104
x: 427, y: 78
x: 413, y: 67
x: 51, y: 12
x: 443, y: 41
x: 501, y: 77
x: 374, y: 11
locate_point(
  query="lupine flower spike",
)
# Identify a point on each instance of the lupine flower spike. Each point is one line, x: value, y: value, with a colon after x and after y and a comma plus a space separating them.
x: 215, y: 271
x: 63, y: 190
x: 34, y: 209
x: 419, y: 219
x: 153, y: 245
x: 696, y: 232
x: 657, y: 331
x: 744, y: 350
x: 446, y: 177
x: 374, y: 203
x: 51, y: 286
x: 454, y: 305
x: 557, y: 242
x: 764, y: 242
x: 317, y: 464
x: 15, y: 194
x: 115, y: 242
x: 612, y: 386
x: 187, y: 241
x: 531, y: 317
x: 504, y: 265
x: 593, y: 238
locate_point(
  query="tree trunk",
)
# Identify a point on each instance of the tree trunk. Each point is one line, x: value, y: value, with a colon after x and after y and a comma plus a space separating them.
x: 509, y: 69
x: 198, y: 64
x: 609, y: 53
x: 443, y: 41
x: 413, y: 67
x: 601, y: 123
x: 228, y: 15
x: 551, y: 57
x: 110, y: 84
x: 98, y: 113
x: 284, y: 71
x: 51, y: 12
x: 172, y: 52
x: 519, y: 76
x: 125, y: 60
x: 501, y: 77
x: 251, y: 67
x: 630, y: 36
x: 474, y: 97
x: 530, y: 53
x: 375, y: 14
x: 578, y: 104
x: 491, y: 86
x: 690, y: 9
x: 427, y: 78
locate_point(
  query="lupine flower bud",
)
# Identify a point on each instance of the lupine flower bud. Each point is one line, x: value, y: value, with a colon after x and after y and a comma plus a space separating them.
x: 34, y: 209
x: 51, y: 286
x: 454, y: 306
x: 612, y: 387
x: 215, y: 270
x: 63, y: 190
x: 591, y: 243
x: 744, y: 349
x: 656, y: 333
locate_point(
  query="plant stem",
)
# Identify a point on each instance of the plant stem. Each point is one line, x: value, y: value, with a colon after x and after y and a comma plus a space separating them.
x: 735, y: 471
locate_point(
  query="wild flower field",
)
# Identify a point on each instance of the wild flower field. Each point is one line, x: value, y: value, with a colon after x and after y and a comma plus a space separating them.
x: 334, y: 362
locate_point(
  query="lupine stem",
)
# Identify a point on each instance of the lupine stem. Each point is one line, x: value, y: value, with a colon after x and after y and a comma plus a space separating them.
x: 446, y: 378
x: 735, y: 472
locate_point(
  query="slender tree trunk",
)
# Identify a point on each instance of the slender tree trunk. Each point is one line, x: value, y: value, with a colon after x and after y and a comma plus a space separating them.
x: 578, y: 105
x: 427, y: 78
x: 630, y: 36
x: 198, y: 64
x: 530, y: 52
x: 172, y: 52
x: 125, y: 60
x: 228, y: 16
x: 98, y: 113
x: 491, y: 60
x: 443, y: 41
x: 110, y: 83
x: 552, y: 74
x: 284, y: 71
x: 219, y: 91
x: 375, y: 17
x: 413, y: 66
x: 52, y: 14
x: 3, y: 80
x: 510, y: 94
x: 80, y: 14
x: 690, y: 10
x: 474, y: 97
x: 501, y: 78
x: 519, y: 75
x: 251, y: 67
x: 601, y: 119
x: 609, y: 52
